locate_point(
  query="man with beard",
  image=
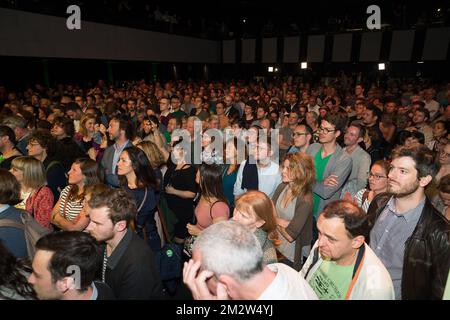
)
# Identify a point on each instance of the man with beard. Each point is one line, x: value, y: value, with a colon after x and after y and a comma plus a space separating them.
x: 408, y: 235
x: 121, y: 132
x: 128, y: 263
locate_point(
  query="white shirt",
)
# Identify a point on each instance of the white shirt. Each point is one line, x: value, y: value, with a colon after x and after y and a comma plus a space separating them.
x: 432, y: 106
x: 268, y: 179
x: 287, y: 285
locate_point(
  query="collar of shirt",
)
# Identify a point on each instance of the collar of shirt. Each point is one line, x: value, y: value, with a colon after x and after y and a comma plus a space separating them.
x: 120, y: 149
x: 94, y: 292
x: 411, y: 215
x: 293, y: 149
x: 118, y: 252
x: 25, y: 136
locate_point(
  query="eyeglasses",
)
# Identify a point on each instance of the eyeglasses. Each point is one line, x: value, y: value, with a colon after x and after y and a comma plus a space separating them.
x: 376, y: 176
x: 297, y: 134
x: 326, y: 130
x: 445, y: 154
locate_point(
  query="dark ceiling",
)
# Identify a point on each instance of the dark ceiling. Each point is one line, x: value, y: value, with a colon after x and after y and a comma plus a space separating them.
x: 219, y: 19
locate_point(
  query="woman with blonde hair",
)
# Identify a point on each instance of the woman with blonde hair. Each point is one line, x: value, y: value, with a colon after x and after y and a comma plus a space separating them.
x: 36, y: 197
x: 89, y: 138
x: 156, y: 157
x: 255, y: 210
x: 294, y: 205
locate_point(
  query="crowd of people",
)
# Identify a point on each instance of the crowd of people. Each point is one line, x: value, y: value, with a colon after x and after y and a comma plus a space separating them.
x: 278, y: 190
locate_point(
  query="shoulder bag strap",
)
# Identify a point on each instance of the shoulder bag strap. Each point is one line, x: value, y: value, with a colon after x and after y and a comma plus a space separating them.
x: 143, y: 200
x: 163, y: 224
x: 365, y: 196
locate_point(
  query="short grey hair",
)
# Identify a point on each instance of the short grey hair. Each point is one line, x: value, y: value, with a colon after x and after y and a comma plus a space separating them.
x: 15, y: 121
x: 227, y: 247
x: 193, y: 118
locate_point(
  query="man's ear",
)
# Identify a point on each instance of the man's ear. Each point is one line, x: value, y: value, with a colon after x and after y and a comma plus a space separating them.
x: 259, y: 223
x: 424, y: 181
x: 337, y: 133
x: 65, y: 284
x: 357, y: 242
x: 120, y: 226
x: 231, y: 286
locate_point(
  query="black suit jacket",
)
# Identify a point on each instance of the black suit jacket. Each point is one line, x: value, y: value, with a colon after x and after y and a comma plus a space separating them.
x: 232, y: 113
x: 131, y: 271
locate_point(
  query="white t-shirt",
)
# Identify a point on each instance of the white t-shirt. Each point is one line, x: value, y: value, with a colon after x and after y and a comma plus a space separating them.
x: 268, y: 179
x: 287, y: 285
x: 432, y: 106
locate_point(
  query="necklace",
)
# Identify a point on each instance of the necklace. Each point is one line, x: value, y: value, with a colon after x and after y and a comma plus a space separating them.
x: 105, y: 261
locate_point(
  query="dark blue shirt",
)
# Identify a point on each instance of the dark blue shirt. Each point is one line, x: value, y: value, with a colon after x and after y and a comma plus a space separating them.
x: 13, y: 238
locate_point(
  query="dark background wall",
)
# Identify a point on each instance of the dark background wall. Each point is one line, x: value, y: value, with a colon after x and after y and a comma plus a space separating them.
x: 38, y: 48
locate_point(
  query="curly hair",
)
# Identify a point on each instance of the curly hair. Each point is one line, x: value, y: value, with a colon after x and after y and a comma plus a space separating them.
x: 301, y: 165
x: 121, y: 205
x: 12, y: 275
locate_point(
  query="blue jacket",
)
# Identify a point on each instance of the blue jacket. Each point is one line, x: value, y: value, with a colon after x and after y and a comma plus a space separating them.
x: 13, y: 238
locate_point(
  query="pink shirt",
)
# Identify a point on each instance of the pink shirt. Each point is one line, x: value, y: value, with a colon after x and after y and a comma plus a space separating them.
x: 203, y: 213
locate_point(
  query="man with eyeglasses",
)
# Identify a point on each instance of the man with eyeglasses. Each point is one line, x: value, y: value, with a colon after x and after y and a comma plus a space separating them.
x: 302, y: 137
x: 332, y: 164
x: 409, y: 236
x: 360, y: 160
x: 176, y: 112
x: 38, y: 147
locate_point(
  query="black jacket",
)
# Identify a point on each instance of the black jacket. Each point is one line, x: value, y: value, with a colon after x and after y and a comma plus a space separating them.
x: 427, y: 252
x: 104, y: 291
x: 233, y: 113
x: 131, y: 271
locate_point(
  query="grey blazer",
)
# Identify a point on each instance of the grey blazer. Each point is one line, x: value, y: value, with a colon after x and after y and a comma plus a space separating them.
x: 111, y: 178
x: 339, y: 164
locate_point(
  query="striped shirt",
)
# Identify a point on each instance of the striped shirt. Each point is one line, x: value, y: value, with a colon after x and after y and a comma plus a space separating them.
x: 359, y: 198
x: 73, y: 208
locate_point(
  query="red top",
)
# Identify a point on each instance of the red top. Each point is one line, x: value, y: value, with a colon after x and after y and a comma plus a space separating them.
x: 40, y: 205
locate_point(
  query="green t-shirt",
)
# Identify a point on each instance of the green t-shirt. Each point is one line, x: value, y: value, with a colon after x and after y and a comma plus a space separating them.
x: 320, y: 164
x: 331, y: 281
x: 167, y: 136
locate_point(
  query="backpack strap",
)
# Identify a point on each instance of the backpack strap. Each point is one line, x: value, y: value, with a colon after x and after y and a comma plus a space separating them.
x: 52, y: 164
x: 315, y: 259
x: 9, y: 223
